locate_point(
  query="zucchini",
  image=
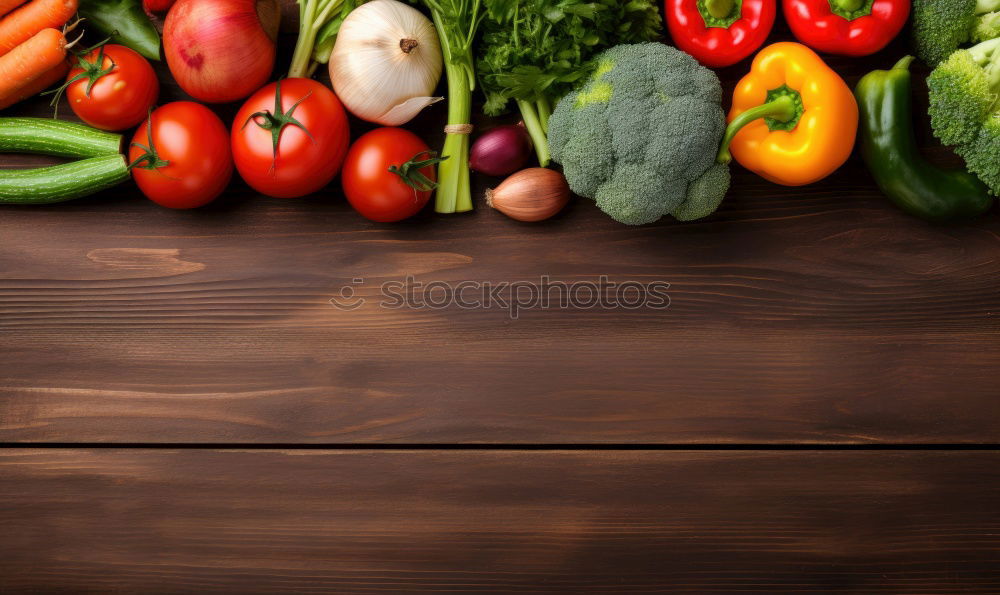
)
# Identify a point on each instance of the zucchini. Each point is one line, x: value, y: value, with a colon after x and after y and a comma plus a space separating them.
x: 56, y: 137
x: 59, y: 183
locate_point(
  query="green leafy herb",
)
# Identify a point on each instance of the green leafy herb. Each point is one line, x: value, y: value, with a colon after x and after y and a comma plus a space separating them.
x: 535, y: 51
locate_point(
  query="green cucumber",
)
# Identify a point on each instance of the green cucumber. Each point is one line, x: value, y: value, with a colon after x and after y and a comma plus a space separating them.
x: 59, y: 183
x: 56, y: 137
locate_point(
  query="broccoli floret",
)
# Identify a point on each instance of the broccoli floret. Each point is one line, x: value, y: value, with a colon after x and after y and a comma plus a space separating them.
x: 703, y: 195
x: 942, y: 26
x: 963, y: 92
x: 965, y: 108
x: 987, y: 27
x: 982, y: 156
x: 640, y: 137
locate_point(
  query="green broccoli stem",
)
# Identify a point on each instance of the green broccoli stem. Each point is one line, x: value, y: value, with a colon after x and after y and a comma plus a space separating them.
x: 535, y: 130
x: 781, y: 109
x: 454, y: 191
x: 986, y: 6
x: 987, y: 55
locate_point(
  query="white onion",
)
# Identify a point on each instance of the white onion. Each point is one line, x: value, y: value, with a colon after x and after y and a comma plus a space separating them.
x: 386, y: 62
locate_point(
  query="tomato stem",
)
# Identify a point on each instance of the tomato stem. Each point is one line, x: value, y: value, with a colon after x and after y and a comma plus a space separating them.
x: 149, y: 154
x: 275, y: 122
x: 411, y: 174
x: 92, y: 71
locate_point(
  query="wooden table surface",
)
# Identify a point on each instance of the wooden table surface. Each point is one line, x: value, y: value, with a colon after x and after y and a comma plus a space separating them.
x: 183, y: 410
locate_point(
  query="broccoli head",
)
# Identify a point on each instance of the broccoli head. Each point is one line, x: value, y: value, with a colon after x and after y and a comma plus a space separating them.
x: 942, y: 26
x: 964, y: 93
x: 640, y: 136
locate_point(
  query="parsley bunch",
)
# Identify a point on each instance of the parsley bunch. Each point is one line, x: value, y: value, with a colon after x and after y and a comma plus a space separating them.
x: 535, y: 51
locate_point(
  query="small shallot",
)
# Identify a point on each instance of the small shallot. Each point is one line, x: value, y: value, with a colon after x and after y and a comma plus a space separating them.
x: 500, y: 151
x: 532, y: 194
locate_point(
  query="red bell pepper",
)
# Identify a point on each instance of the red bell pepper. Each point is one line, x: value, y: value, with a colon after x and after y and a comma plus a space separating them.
x: 846, y: 27
x: 719, y: 32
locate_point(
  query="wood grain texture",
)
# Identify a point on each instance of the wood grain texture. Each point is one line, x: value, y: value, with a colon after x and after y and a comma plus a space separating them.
x: 637, y: 521
x: 815, y: 314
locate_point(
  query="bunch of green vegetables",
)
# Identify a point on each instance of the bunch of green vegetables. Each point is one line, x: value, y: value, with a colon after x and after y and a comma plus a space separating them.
x: 536, y: 51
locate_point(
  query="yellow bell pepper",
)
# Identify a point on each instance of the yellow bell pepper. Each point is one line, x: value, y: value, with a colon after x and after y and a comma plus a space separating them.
x: 793, y: 119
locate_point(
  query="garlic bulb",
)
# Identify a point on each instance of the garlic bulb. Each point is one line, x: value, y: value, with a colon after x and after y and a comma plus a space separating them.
x: 386, y: 62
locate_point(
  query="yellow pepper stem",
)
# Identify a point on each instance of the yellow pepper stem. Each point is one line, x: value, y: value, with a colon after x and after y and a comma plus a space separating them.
x: 781, y: 109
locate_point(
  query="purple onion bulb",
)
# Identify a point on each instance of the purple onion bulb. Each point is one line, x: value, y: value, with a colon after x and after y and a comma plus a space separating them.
x: 501, y: 151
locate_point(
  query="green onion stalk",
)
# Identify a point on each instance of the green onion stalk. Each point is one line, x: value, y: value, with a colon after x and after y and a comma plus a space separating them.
x: 319, y: 22
x: 456, y: 22
x: 535, y: 115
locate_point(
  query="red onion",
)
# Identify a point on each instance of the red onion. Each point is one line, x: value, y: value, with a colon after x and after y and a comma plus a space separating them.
x: 221, y: 50
x: 501, y: 151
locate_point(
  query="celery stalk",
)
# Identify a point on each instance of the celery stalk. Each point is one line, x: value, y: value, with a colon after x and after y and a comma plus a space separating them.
x: 456, y: 22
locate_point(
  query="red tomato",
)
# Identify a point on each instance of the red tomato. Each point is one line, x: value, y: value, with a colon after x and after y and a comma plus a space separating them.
x: 124, y: 88
x: 189, y: 163
x: 375, y: 191
x: 312, y: 140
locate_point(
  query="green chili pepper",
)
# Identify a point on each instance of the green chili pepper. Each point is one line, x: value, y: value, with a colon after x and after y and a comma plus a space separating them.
x: 888, y: 147
x: 124, y: 22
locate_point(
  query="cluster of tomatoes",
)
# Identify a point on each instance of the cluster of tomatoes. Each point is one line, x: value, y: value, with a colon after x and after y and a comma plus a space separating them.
x: 289, y: 139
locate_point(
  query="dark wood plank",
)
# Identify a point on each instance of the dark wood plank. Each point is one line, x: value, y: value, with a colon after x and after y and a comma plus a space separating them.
x: 820, y: 317
x: 816, y: 314
x: 632, y: 521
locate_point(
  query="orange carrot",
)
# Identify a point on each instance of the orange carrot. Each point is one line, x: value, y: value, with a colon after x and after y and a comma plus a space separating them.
x: 30, y: 61
x: 17, y: 27
x: 9, y: 5
x: 54, y: 75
